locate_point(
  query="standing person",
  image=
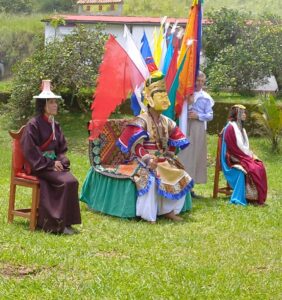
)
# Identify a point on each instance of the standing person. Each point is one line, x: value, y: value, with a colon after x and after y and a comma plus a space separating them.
x: 161, y: 181
x: 44, y: 148
x: 243, y: 170
x: 199, y: 113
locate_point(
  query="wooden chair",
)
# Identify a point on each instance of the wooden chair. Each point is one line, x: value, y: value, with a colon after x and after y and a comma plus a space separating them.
x: 20, y: 175
x: 216, y: 189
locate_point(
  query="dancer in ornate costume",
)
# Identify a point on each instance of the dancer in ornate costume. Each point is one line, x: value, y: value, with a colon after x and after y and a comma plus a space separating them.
x: 242, y: 169
x: 162, y: 183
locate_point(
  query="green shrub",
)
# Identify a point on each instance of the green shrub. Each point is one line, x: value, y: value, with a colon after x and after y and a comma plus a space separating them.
x: 72, y: 65
x: 270, y: 121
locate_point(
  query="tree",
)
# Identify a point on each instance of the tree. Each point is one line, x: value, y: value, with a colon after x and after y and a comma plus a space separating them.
x: 72, y: 65
x: 226, y: 28
x: 15, y: 6
x: 15, y: 46
x: 270, y: 36
x: 241, y: 51
x: 56, y: 5
x: 240, y: 67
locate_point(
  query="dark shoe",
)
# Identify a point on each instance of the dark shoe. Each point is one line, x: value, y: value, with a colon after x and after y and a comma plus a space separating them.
x: 195, y: 196
x: 73, y: 229
x: 68, y: 231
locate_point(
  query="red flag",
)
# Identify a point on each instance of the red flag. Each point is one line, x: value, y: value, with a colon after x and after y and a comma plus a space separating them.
x: 118, y: 76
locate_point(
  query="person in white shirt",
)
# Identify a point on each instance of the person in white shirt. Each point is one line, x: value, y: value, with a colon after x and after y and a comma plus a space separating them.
x: 199, y: 112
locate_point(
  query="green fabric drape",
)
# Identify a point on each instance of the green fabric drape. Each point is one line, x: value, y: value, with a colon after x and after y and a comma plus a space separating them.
x: 112, y: 196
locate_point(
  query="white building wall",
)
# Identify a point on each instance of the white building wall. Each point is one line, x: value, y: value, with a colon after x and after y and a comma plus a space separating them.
x: 114, y: 29
x: 137, y: 32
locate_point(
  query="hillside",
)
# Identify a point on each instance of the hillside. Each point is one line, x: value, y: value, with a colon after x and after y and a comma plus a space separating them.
x: 180, y: 8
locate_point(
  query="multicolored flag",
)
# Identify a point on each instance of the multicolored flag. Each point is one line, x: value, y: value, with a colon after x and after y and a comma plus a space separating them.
x: 134, y: 53
x: 191, y: 47
x: 170, y: 49
x: 173, y: 86
x: 164, y: 46
x: 147, y: 54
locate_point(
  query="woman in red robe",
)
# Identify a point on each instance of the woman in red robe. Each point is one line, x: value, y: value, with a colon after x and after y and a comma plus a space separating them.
x: 239, y: 156
x: 44, y: 147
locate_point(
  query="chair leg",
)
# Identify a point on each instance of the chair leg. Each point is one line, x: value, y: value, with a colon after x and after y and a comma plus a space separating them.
x: 12, y: 202
x: 34, y: 206
x: 215, y: 183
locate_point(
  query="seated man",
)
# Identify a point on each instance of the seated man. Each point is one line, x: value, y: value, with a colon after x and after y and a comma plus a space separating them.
x: 161, y: 181
x: 244, y: 172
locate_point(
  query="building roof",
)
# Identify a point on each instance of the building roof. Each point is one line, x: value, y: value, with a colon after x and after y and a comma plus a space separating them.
x: 99, y: 1
x: 118, y: 19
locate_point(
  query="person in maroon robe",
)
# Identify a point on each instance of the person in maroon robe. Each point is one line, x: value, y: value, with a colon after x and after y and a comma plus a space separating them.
x: 238, y: 155
x: 44, y: 147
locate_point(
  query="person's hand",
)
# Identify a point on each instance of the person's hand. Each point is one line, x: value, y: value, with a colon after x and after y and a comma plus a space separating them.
x: 189, y: 99
x: 58, y: 166
x: 153, y: 163
x: 193, y: 115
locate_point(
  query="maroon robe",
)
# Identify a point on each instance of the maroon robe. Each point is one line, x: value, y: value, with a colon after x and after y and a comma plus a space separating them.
x: 254, y: 168
x: 58, y: 205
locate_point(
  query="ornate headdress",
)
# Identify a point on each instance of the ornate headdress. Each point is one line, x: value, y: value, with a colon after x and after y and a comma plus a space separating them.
x: 239, y: 106
x: 155, y: 83
x: 236, y: 113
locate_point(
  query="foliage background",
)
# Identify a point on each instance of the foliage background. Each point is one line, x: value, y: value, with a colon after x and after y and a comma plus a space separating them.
x: 72, y: 65
x: 241, y: 51
x: 180, y: 8
x: 172, y: 8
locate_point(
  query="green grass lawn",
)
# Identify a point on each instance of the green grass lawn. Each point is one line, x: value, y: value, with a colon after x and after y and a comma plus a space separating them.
x: 221, y: 251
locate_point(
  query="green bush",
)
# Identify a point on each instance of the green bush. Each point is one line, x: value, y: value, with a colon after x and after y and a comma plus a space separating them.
x: 55, y: 5
x: 269, y: 119
x: 15, y: 6
x: 241, y: 51
x: 17, y: 34
x: 72, y: 65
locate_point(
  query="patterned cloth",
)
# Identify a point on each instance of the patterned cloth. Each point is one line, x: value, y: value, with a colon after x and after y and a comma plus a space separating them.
x: 103, y: 150
x: 143, y: 138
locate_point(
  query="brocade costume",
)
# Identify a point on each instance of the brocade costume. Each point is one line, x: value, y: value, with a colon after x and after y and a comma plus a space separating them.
x: 164, y: 189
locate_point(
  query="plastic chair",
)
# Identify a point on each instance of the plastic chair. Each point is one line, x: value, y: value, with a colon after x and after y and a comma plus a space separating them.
x: 20, y: 176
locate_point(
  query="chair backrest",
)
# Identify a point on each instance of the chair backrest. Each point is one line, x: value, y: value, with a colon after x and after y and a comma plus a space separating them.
x: 216, y: 189
x: 19, y: 164
x: 218, y: 151
x: 103, y: 150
